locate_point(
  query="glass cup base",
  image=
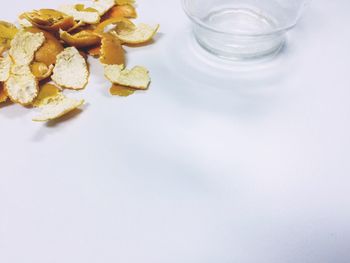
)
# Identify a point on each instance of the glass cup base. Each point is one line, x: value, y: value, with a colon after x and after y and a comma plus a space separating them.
x: 240, y: 46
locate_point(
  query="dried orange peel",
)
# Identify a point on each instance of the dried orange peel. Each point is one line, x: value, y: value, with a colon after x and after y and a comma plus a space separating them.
x: 137, y: 78
x: 79, y: 13
x: 48, y: 52
x: 122, y: 91
x: 7, y: 33
x: 41, y: 71
x: 71, y: 70
x: 53, y: 104
x: 22, y: 86
x: 85, y: 38
x: 141, y: 34
x: 120, y: 11
x: 5, y: 67
x: 47, y: 92
x: 118, y: 22
x: 49, y: 19
x: 111, y: 52
x: 102, y: 6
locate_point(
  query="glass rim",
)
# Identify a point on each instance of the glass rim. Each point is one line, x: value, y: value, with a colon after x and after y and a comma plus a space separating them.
x: 200, y: 22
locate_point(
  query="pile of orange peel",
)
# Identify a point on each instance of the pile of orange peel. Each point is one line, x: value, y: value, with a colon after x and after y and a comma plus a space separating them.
x: 47, y: 53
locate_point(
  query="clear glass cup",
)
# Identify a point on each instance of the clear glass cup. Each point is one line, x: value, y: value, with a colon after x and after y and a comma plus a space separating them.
x: 243, y: 29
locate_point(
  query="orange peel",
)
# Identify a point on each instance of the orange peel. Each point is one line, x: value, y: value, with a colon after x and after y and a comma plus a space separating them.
x: 7, y: 32
x: 41, y: 71
x: 53, y: 104
x: 137, y: 78
x: 71, y: 70
x: 111, y: 52
x: 81, y: 14
x: 118, y: 21
x: 85, y: 38
x: 22, y: 86
x: 124, y: 11
x: 5, y: 67
x: 102, y: 6
x: 47, y: 92
x: 49, y: 19
x: 48, y: 52
x: 141, y: 34
x: 122, y: 91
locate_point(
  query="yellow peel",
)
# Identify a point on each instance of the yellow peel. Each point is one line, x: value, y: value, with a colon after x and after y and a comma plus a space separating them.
x: 136, y: 78
x: 7, y: 33
x: 85, y: 38
x: 5, y: 67
x: 41, y: 71
x: 71, y: 70
x: 87, y: 17
x: 24, y: 46
x: 48, y: 52
x: 47, y: 92
x: 139, y: 35
x: 49, y: 19
x: 22, y: 86
x: 111, y: 52
x: 57, y: 107
x: 102, y: 6
x: 125, y: 11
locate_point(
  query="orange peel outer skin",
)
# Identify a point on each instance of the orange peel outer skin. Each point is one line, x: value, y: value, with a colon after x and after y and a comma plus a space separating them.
x: 49, y: 50
x: 101, y: 27
x: 82, y: 39
x: 125, y: 11
x: 112, y: 52
x: 122, y: 91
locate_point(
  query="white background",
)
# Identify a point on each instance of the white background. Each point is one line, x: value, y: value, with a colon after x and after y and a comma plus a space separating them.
x: 211, y: 165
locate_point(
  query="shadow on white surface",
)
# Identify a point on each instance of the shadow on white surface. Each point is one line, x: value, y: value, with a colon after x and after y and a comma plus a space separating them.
x: 246, y: 89
x: 55, y: 126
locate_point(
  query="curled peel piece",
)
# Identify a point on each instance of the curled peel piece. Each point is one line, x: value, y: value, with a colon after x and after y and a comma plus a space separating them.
x: 7, y: 33
x: 139, y: 35
x: 71, y: 70
x: 22, y: 86
x: 137, y: 78
x: 5, y: 67
x: 48, y: 52
x: 102, y: 6
x: 56, y: 107
x: 125, y: 11
x: 41, y: 71
x: 85, y: 38
x: 121, y: 91
x: 24, y: 23
x: 87, y: 16
x: 47, y: 92
x: 24, y: 46
x: 49, y: 19
x: 118, y: 21
x: 111, y: 52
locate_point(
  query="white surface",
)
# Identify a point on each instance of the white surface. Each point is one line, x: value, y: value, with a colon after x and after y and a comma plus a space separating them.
x: 209, y: 166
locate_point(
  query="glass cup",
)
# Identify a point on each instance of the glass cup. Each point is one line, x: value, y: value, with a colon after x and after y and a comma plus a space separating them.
x: 243, y: 29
